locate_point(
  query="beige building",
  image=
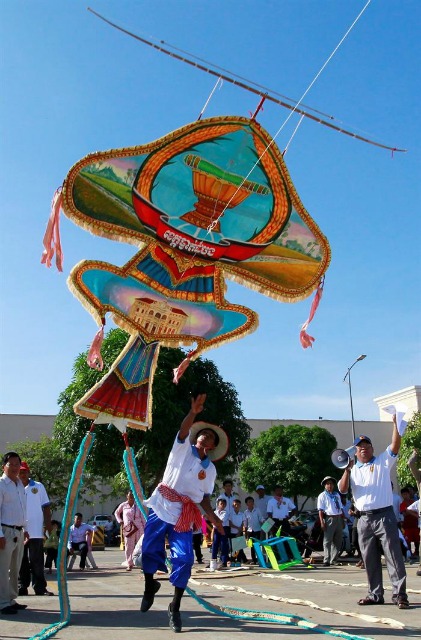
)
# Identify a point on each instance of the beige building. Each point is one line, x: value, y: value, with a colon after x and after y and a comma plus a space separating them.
x: 410, y: 396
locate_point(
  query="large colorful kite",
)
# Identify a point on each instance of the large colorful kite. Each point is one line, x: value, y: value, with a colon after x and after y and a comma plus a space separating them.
x: 208, y: 202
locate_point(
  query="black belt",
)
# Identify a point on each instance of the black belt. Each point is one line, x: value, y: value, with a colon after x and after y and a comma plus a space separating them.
x: 374, y: 511
x: 11, y: 526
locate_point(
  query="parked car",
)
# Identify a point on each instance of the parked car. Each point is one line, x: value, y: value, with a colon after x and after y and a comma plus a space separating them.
x: 99, y: 520
x: 112, y: 532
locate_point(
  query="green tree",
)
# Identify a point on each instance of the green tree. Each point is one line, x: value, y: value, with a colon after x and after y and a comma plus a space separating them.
x: 50, y: 465
x: 295, y: 457
x: 170, y: 404
x: 410, y: 441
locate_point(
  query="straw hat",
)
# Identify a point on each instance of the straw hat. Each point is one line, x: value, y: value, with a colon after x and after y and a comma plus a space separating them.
x: 221, y: 448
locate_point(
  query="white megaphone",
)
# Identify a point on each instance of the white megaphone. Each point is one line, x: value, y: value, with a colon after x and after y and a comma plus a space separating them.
x: 341, y: 457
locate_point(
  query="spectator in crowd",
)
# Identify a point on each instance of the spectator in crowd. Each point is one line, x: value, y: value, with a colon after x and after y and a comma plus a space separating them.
x: 410, y: 528
x: 229, y: 496
x: 377, y: 526
x: 253, y: 521
x: 109, y: 529
x: 227, y: 493
x: 348, y: 522
x: 331, y: 521
x: 353, y: 511
x: 262, y: 500
x: 12, y: 535
x: 412, y: 492
x: 51, y: 546
x: 80, y: 536
x: 280, y: 509
x: 38, y: 515
x: 236, y: 523
x: 129, y: 516
x: 397, y: 499
x: 414, y: 464
x: 188, y: 480
x: 220, y: 540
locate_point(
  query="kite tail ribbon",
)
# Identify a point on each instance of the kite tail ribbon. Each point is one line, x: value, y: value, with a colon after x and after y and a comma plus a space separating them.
x: 133, y: 476
x: 94, y: 358
x: 51, y: 240
x: 178, y: 372
x: 305, y: 339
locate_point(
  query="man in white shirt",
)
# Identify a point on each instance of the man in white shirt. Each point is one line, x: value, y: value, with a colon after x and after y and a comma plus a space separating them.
x: 253, y: 521
x: 80, y: 535
x: 38, y: 514
x: 13, y: 521
x: 331, y: 520
x: 280, y: 509
x: 188, y: 480
x: 227, y: 494
x: 229, y: 497
x: 262, y: 500
x: 377, y: 527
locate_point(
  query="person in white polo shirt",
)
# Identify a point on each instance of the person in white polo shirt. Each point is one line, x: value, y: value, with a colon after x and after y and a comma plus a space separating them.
x: 12, y: 534
x: 280, y: 509
x: 262, y: 500
x: 39, y: 516
x: 377, y: 527
x: 331, y: 520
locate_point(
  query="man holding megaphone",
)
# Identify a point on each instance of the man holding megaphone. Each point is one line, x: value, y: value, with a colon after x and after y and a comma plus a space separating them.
x: 372, y: 491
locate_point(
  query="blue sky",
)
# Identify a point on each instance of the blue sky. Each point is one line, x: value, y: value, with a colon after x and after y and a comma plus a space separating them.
x: 71, y: 85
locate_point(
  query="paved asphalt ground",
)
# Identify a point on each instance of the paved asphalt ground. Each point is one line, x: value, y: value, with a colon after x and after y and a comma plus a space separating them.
x: 105, y: 604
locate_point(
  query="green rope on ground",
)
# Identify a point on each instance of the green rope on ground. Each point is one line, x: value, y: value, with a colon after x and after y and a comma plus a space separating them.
x: 69, y: 511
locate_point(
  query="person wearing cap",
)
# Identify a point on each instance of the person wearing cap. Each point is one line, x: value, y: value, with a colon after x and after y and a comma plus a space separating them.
x: 262, y: 500
x: 331, y: 520
x: 377, y: 526
x: 38, y: 517
x: 188, y: 480
x: 12, y: 532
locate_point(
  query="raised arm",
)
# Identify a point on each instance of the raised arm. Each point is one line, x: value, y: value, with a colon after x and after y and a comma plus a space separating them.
x: 197, y: 405
x: 395, y: 445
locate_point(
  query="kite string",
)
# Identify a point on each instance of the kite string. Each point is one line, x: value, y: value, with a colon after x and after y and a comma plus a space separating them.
x: 292, y: 136
x: 296, y: 106
x: 218, y: 83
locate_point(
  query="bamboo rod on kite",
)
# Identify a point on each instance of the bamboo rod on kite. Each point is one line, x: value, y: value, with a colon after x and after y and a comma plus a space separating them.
x: 256, y: 90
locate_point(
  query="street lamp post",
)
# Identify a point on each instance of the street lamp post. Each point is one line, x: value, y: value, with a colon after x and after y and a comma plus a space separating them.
x: 348, y: 375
